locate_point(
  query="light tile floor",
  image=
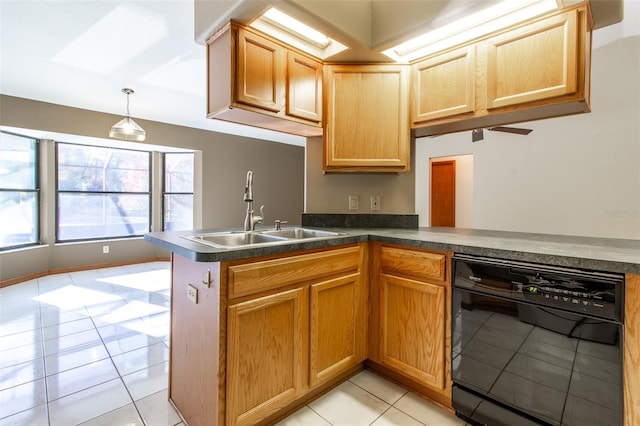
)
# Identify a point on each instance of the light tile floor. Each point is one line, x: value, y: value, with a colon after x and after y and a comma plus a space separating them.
x: 91, y: 348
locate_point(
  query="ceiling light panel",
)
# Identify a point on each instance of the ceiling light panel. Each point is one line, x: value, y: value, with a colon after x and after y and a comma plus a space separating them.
x: 297, y: 34
x: 501, y: 15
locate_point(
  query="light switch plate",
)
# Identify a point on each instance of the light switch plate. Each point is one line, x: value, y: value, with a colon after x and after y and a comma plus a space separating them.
x: 375, y: 204
x: 192, y: 293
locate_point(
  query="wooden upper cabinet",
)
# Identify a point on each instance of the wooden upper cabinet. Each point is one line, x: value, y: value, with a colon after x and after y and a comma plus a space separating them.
x: 261, y: 72
x: 261, y: 82
x: 535, y: 70
x: 534, y: 62
x: 304, y: 87
x: 366, y: 118
x: 444, y: 85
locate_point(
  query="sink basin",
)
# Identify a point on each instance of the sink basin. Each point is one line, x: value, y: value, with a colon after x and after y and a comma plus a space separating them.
x: 242, y: 239
x: 301, y: 233
x: 234, y: 239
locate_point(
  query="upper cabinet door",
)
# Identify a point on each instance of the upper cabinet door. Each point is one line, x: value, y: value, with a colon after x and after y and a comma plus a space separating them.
x: 304, y: 87
x: 261, y: 72
x: 533, y: 62
x: 443, y: 85
x: 366, y: 118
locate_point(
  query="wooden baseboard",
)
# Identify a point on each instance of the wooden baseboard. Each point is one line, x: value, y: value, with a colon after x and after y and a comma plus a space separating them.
x: 41, y: 274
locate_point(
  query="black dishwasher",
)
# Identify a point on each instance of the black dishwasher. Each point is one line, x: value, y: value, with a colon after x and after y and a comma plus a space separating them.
x: 536, y: 344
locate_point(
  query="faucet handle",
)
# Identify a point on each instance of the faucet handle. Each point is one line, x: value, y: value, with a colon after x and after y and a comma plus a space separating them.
x: 279, y: 222
x: 259, y: 219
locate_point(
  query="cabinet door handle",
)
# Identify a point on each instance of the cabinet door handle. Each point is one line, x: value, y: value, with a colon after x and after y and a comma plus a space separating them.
x: 207, y: 279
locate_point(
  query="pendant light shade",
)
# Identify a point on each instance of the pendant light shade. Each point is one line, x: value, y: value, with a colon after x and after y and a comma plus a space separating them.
x: 126, y: 128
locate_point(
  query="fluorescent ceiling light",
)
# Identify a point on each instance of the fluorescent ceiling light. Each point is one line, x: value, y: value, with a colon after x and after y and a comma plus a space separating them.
x: 293, y: 32
x: 287, y: 23
x: 501, y: 15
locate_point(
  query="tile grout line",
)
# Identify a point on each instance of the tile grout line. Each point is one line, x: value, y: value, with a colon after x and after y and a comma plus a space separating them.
x: 44, y: 362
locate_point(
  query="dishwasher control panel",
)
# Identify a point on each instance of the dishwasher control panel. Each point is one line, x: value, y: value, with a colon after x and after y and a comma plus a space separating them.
x: 585, y: 292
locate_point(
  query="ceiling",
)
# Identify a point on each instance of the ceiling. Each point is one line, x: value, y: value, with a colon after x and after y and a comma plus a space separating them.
x: 82, y: 53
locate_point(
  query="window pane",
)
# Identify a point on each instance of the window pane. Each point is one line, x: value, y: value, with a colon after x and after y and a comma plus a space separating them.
x: 92, y: 168
x: 178, y: 172
x: 20, y: 210
x: 17, y: 162
x: 178, y: 212
x: 85, y: 216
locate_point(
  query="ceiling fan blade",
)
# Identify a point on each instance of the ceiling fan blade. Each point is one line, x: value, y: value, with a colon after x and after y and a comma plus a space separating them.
x: 477, y: 135
x: 516, y: 130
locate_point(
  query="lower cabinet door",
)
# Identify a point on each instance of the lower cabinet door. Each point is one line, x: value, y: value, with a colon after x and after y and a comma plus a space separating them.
x: 413, y: 329
x: 267, y: 355
x: 338, y: 327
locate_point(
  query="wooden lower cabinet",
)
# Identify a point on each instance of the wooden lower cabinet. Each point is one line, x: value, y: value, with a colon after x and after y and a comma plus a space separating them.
x: 264, y: 334
x: 283, y: 344
x: 338, y: 327
x: 631, y: 358
x: 266, y: 355
x: 412, y: 336
x: 194, y: 348
x: 409, y: 318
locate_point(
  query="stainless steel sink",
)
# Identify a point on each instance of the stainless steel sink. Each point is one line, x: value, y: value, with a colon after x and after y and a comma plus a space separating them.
x: 243, y: 239
x: 234, y: 239
x: 301, y: 233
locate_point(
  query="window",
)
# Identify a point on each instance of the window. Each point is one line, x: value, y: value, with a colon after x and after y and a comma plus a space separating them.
x: 102, y: 192
x: 178, y: 191
x: 19, y: 199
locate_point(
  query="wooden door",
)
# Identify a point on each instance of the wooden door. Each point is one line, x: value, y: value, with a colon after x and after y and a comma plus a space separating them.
x: 304, y: 87
x: 412, y: 317
x: 443, y: 193
x: 260, y: 72
x: 338, y: 327
x: 444, y: 85
x: 267, y: 355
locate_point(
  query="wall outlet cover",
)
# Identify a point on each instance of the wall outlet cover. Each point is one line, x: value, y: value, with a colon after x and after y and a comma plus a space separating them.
x: 353, y: 202
x: 192, y: 293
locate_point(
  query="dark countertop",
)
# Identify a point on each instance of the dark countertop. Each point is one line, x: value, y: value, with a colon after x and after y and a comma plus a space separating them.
x: 602, y: 254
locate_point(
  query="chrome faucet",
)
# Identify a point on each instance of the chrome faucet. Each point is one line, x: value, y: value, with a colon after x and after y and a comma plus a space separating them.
x: 250, y: 220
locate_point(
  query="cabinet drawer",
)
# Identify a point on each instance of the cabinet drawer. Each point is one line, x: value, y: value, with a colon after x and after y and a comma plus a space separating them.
x: 256, y: 277
x: 413, y: 262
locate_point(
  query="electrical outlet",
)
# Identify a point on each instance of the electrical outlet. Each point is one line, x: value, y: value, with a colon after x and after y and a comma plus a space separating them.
x: 105, y: 249
x: 375, y: 204
x: 192, y: 293
x: 353, y: 202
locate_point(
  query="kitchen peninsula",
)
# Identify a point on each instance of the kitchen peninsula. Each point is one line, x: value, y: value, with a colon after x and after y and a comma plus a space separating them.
x: 259, y: 331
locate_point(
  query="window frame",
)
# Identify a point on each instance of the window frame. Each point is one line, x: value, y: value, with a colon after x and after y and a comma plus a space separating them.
x: 164, y: 187
x: 148, y: 193
x: 36, y: 190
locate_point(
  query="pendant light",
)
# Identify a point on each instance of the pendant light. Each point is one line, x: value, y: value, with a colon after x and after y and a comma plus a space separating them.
x: 126, y: 128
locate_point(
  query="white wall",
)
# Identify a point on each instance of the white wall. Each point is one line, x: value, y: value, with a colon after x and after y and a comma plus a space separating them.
x: 577, y: 175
